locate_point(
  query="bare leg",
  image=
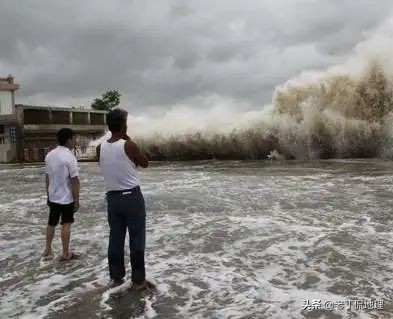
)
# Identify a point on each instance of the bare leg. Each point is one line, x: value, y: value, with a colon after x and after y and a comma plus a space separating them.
x: 50, y: 233
x: 65, y: 239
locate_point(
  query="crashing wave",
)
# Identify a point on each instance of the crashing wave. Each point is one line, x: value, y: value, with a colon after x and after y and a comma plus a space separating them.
x: 344, y: 112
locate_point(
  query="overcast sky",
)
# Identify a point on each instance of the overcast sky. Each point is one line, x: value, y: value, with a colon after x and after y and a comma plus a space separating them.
x: 164, y: 53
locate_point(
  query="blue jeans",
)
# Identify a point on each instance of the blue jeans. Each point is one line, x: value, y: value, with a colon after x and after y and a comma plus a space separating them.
x: 126, y: 210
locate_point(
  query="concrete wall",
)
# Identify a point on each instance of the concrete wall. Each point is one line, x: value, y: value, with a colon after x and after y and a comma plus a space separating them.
x: 37, y: 126
x: 36, y: 117
x: 97, y: 119
x: 38, y: 143
x: 7, y: 153
x: 80, y: 118
x: 39, y: 117
x: 60, y: 117
x: 7, y: 148
x: 6, y: 102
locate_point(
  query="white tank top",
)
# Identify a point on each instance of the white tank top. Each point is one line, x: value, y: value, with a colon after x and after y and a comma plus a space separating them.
x: 118, y: 170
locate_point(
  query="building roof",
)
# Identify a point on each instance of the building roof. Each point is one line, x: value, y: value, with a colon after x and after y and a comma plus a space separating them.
x: 7, y: 84
x: 55, y: 108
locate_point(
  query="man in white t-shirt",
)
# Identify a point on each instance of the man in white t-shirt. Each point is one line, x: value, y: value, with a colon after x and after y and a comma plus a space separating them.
x: 62, y: 187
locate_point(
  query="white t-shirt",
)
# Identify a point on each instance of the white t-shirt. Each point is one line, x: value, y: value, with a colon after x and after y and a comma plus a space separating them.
x: 61, y: 165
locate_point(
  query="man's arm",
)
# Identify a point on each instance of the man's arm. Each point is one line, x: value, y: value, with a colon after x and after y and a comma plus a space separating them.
x: 98, y: 151
x: 135, y: 154
x: 47, y: 188
x: 75, y: 186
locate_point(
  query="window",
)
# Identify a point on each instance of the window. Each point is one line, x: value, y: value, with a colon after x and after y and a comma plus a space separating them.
x: 1, y: 129
x: 12, y: 134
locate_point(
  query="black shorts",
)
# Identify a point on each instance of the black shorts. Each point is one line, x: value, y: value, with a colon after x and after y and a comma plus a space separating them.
x: 65, y: 211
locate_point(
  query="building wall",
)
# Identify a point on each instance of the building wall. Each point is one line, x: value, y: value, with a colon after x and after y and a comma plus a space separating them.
x: 97, y: 119
x: 6, y: 102
x: 37, y: 127
x: 7, y: 153
x: 7, y: 145
x: 36, y: 117
x: 80, y: 118
x: 60, y: 117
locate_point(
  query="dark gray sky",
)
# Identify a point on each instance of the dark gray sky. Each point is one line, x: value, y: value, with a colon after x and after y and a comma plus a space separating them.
x: 164, y: 53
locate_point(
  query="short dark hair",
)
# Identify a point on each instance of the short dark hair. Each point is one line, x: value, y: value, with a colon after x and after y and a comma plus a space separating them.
x: 63, y: 135
x: 115, y: 119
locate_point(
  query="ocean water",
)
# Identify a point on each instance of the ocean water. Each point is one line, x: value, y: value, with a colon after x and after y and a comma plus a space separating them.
x: 231, y: 239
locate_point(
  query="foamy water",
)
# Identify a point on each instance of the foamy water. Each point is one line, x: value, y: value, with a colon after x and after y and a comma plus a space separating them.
x: 224, y: 240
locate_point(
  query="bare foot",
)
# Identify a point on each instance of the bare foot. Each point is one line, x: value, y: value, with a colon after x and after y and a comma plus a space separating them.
x: 69, y: 256
x: 47, y: 254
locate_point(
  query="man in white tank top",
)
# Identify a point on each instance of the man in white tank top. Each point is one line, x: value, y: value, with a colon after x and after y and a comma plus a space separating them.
x: 118, y: 158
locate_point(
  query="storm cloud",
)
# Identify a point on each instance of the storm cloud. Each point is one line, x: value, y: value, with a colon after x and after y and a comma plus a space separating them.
x: 160, y: 54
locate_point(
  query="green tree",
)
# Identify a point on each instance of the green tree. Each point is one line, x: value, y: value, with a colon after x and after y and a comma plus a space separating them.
x: 109, y: 100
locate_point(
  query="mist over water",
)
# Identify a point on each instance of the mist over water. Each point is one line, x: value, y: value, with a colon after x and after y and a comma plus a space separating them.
x: 342, y: 112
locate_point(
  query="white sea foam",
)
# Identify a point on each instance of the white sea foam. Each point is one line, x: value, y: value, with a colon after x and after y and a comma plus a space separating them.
x: 238, y: 239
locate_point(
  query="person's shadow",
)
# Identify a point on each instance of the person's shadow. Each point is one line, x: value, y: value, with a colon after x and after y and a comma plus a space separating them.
x: 103, y: 302
x: 126, y: 304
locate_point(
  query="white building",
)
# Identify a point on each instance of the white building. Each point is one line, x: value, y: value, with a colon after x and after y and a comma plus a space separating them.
x: 27, y: 132
x: 8, y: 120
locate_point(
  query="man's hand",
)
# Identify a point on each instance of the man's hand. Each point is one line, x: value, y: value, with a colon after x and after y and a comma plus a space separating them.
x: 47, y: 188
x: 98, y: 151
x: 75, y: 186
x: 76, y: 206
